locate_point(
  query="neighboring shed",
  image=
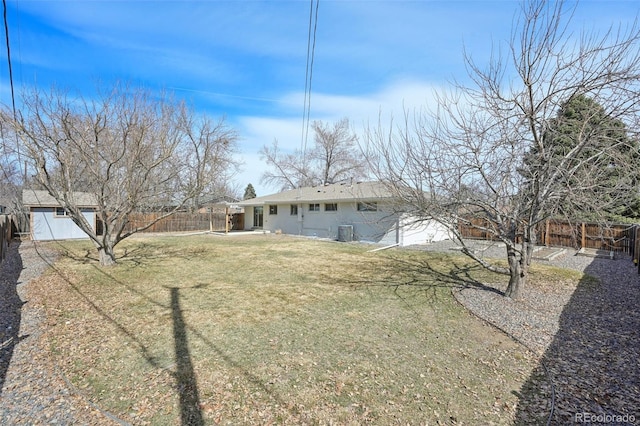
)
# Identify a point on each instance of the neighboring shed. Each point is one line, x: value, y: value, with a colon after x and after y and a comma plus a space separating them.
x: 49, y: 221
x: 364, y: 211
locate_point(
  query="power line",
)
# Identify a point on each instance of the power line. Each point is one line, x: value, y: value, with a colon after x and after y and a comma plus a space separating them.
x: 311, y: 48
x: 6, y: 34
x: 13, y: 97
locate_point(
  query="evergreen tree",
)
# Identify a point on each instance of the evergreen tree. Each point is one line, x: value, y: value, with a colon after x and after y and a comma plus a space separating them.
x: 249, y: 192
x: 615, y: 196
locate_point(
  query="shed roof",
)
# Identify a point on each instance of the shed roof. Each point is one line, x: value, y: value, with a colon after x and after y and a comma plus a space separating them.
x: 361, y: 191
x: 34, y: 198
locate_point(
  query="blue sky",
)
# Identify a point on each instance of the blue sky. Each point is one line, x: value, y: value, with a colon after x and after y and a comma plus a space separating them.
x: 246, y: 59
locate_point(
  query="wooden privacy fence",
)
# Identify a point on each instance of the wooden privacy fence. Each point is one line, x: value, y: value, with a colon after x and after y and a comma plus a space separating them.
x: 6, y: 230
x: 475, y: 229
x: 559, y: 233
x: 610, y: 237
x: 187, y: 222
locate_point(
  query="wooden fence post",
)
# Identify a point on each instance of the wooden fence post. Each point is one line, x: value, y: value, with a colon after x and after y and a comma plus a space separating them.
x: 5, y: 235
x: 584, y: 235
x: 546, y: 233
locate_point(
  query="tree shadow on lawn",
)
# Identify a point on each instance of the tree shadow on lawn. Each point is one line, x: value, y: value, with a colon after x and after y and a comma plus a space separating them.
x: 10, y: 308
x: 139, y: 255
x: 592, y: 361
x: 185, y: 375
x: 426, y: 275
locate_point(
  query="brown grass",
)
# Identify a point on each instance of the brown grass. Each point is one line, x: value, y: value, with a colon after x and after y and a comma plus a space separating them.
x: 275, y: 329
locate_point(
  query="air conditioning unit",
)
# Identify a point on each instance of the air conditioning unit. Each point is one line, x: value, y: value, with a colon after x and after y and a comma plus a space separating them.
x: 345, y: 233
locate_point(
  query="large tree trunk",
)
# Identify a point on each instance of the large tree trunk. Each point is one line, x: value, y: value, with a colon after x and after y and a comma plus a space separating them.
x: 518, y: 270
x: 107, y: 256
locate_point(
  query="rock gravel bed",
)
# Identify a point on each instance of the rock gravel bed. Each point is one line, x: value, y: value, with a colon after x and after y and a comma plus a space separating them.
x: 32, y: 392
x: 587, y: 339
x: 534, y: 320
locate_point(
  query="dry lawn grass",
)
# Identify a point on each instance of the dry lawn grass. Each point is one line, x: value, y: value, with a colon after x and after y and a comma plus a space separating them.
x: 274, y: 329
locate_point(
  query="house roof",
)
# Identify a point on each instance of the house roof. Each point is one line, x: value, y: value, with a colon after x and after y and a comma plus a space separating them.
x: 361, y: 191
x: 33, y: 198
x: 223, y: 199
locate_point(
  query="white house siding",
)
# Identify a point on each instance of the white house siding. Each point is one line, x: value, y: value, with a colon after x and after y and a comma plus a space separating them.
x: 380, y: 226
x: 248, y: 218
x: 45, y: 225
x: 283, y: 220
x: 372, y: 226
x: 367, y: 226
x: 409, y: 231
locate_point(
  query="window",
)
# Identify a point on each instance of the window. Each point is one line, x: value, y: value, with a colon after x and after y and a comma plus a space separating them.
x: 314, y: 207
x: 60, y: 211
x: 273, y: 209
x: 294, y: 210
x: 368, y: 207
x: 331, y: 207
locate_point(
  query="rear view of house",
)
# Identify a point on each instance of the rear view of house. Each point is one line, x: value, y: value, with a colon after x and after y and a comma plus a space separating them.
x: 49, y: 221
x: 364, y: 211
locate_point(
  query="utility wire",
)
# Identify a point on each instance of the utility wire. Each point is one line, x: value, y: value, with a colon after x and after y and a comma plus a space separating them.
x: 306, y: 78
x: 6, y: 34
x: 13, y: 97
x: 13, y: 103
x: 311, y: 48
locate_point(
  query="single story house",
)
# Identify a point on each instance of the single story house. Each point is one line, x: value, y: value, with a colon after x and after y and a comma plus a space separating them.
x: 363, y: 211
x: 49, y: 221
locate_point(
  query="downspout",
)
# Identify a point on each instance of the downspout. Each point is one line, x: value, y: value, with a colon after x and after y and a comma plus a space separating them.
x: 383, y: 248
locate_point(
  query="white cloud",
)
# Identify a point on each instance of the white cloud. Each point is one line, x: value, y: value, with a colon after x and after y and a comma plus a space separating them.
x: 361, y: 110
x: 259, y: 131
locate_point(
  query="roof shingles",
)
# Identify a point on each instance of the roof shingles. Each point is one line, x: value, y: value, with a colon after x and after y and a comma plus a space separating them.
x: 33, y: 198
x: 364, y: 191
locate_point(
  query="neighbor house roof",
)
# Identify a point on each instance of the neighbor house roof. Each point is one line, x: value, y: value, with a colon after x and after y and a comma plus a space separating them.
x: 361, y: 191
x: 33, y: 198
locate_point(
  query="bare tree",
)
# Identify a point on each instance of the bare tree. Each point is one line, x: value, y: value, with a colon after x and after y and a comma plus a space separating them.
x: 10, y: 182
x: 333, y: 158
x: 463, y: 162
x: 11, y: 176
x: 132, y: 150
x: 336, y: 152
x: 287, y: 170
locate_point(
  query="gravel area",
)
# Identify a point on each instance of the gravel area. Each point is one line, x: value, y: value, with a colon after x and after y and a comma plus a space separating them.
x: 587, y: 339
x: 32, y: 391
